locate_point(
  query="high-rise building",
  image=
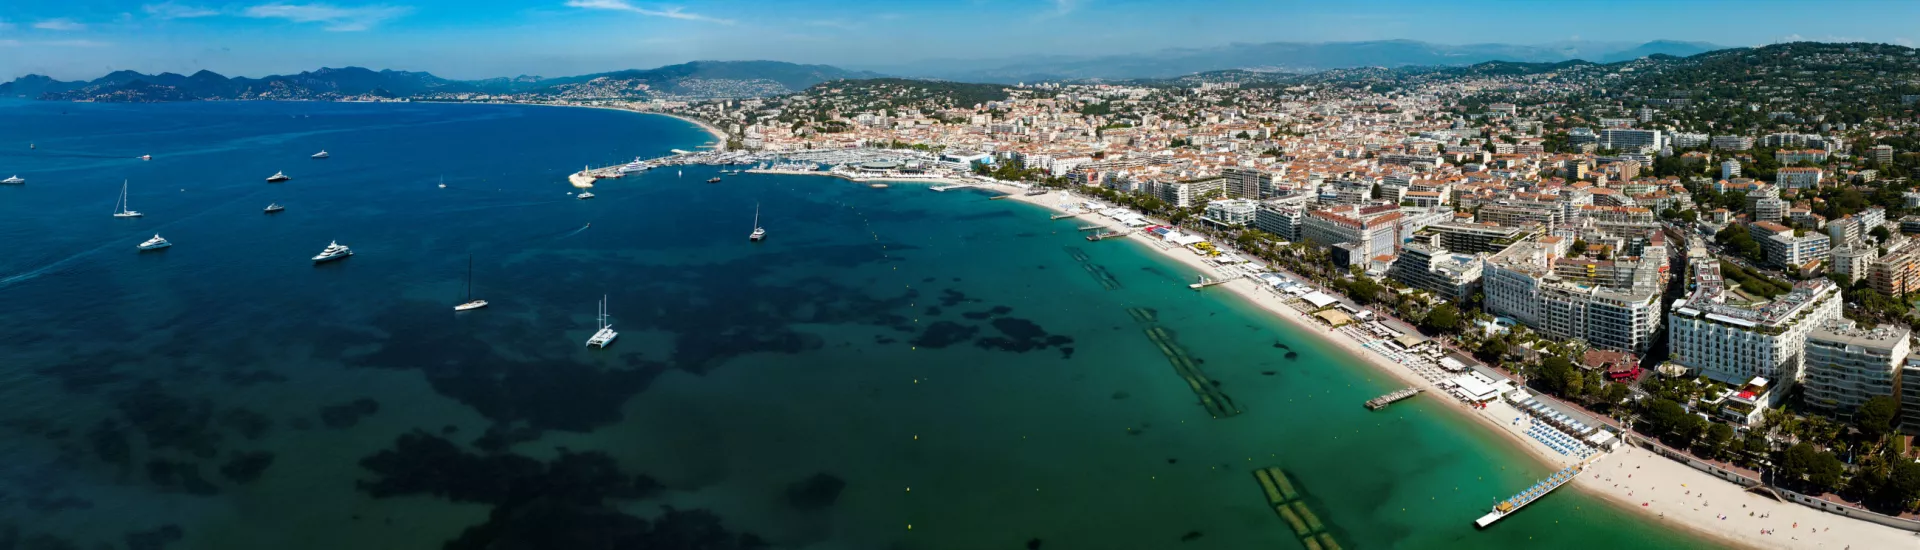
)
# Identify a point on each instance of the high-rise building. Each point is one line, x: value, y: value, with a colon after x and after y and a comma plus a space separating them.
x: 1373, y: 234
x: 1898, y: 272
x: 1729, y: 169
x: 1909, y: 385
x: 1789, y: 248
x: 1231, y: 212
x: 1846, y: 365
x: 1451, y: 276
x: 1631, y: 141
x: 1853, y: 262
x: 1736, y: 342
x: 1524, y: 282
x: 1278, y: 219
x: 1883, y: 154
x: 1248, y: 183
x: 1477, y: 238
x: 1798, y: 177
x: 1731, y: 143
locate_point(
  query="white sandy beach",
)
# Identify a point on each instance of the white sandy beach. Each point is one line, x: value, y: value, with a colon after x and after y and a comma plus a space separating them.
x: 1661, y: 484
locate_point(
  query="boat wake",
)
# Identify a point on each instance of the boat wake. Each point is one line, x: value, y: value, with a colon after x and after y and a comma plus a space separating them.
x: 576, y: 231
x: 64, y: 155
x: 120, y: 241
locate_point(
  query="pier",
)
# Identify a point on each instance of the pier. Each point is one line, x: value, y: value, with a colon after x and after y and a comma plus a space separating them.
x: 1516, y: 502
x: 1063, y: 216
x: 1206, y: 282
x: 1381, y: 402
x: 1104, y: 235
x: 945, y: 188
x: 1090, y: 227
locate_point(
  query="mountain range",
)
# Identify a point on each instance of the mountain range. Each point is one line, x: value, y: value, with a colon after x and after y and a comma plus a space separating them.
x: 695, y: 79
x: 707, y: 79
x: 1294, y: 57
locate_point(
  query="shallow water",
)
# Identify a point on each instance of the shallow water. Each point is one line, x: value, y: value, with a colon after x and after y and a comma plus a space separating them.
x: 892, y: 368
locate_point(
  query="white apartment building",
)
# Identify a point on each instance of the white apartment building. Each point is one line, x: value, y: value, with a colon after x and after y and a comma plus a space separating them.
x: 1451, y: 276
x: 1524, y: 282
x: 1797, y: 177
x: 1231, y: 212
x: 1853, y: 262
x: 1846, y: 365
x: 1279, y: 219
x: 1735, y: 343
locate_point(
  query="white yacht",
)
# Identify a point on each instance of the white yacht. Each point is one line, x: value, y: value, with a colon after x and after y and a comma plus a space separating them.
x: 278, y: 177
x: 275, y: 207
x: 334, y: 251
x: 605, y: 335
x: 759, y: 233
x: 471, y: 304
x: 584, y: 195
x: 146, y: 157
x: 13, y: 180
x: 120, y: 209
x: 320, y: 155
x: 155, y: 243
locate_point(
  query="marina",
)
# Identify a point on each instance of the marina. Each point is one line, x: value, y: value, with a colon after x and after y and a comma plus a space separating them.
x: 1381, y: 402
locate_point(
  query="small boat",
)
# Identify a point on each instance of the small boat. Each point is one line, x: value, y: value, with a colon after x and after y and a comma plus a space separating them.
x: 334, y: 251
x: 275, y: 207
x: 278, y: 177
x: 443, y: 182
x: 584, y: 195
x: 471, y: 304
x: 713, y: 180
x: 13, y: 180
x: 322, y: 154
x: 146, y: 157
x: 120, y: 209
x: 605, y: 335
x: 155, y: 243
x: 759, y: 233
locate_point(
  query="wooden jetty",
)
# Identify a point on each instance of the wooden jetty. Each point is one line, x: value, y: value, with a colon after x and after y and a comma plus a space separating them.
x: 1381, y: 402
x: 1206, y: 282
x: 1063, y: 216
x: 1514, y: 504
x: 1091, y: 227
x: 1103, y: 235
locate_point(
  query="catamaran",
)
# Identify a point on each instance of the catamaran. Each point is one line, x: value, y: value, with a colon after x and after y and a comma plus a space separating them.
x: 471, y: 303
x: 322, y: 154
x: 758, y: 232
x: 606, y: 334
x: 334, y: 251
x: 13, y: 180
x: 275, y: 207
x: 278, y: 177
x: 155, y: 243
x: 120, y: 209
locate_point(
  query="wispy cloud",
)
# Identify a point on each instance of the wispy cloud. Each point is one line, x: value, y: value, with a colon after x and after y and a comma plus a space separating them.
x: 171, y: 10
x: 670, y: 12
x: 5, y: 26
x: 59, y: 25
x: 1063, y: 7
x: 339, y: 19
x: 11, y: 43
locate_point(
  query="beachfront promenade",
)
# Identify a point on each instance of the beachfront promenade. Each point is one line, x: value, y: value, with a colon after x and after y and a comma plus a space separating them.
x: 1629, y: 477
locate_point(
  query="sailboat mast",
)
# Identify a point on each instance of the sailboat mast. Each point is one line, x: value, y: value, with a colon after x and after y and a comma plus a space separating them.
x: 469, y: 277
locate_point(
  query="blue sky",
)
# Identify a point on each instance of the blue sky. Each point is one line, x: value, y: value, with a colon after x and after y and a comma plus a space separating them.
x: 484, y: 38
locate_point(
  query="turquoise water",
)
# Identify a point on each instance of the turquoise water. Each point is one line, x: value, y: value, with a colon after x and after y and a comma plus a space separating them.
x: 892, y: 368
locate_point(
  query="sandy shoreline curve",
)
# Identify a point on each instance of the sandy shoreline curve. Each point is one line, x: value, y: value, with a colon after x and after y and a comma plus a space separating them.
x: 1659, y: 489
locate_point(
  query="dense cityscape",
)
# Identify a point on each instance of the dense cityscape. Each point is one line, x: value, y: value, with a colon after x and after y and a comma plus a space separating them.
x: 1722, y: 268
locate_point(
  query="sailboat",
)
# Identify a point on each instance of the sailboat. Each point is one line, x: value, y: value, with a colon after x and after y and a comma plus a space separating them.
x: 471, y: 303
x: 120, y: 209
x: 322, y: 154
x: 759, y: 233
x: 605, y: 335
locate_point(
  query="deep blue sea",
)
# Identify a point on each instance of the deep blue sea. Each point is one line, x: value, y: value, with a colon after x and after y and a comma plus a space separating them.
x: 892, y: 369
